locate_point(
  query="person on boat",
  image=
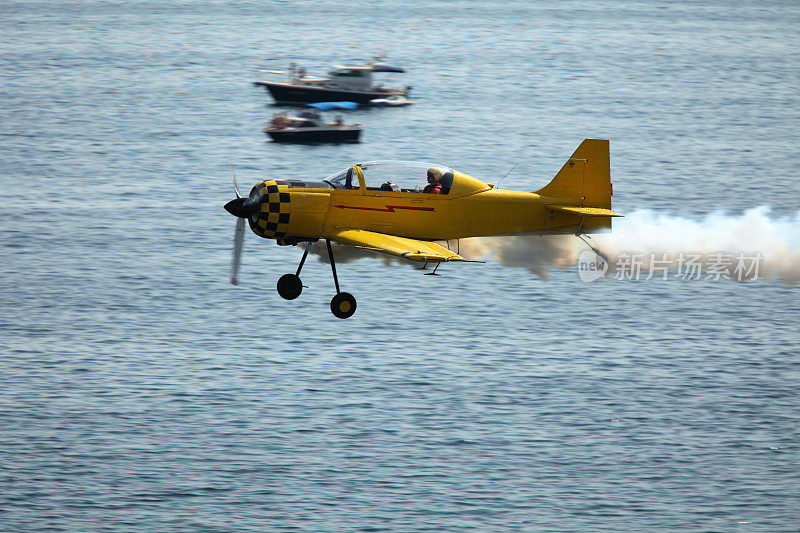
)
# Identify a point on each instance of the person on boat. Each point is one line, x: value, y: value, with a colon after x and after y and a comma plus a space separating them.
x: 279, y: 121
x: 433, y: 186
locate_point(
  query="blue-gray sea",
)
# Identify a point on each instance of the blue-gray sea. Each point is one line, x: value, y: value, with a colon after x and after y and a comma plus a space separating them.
x: 141, y: 392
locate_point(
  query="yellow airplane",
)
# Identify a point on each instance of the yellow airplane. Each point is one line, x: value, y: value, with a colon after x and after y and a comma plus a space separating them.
x: 400, y: 208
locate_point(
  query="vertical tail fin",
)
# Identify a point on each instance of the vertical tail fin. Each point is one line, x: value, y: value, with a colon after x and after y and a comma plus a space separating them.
x: 585, y: 179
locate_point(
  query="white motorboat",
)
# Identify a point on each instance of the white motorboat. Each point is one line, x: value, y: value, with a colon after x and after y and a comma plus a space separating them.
x: 352, y: 83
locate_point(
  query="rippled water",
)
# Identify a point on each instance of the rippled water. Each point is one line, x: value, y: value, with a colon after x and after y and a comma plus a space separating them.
x: 141, y: 392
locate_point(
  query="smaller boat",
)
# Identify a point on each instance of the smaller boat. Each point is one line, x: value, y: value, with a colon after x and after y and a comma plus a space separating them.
x: 395, y: 100
x: 309, y: 127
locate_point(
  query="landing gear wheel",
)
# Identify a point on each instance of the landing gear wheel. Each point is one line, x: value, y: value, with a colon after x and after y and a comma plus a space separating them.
x: 289, y: 286
x: 343, y: 305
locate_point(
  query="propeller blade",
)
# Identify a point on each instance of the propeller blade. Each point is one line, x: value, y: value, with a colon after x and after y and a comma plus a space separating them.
x: 238, y: 241
x: 233, y: 177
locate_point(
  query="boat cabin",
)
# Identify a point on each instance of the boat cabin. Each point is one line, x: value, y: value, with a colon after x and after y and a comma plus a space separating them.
x: 351, y: 78
x: 305, y: 119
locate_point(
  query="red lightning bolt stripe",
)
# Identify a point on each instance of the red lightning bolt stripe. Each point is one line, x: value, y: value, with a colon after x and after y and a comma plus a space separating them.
x: 389, y: 208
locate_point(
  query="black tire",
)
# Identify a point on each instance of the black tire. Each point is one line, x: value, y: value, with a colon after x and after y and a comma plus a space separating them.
x: 289, y: 286
x: 343, y: 305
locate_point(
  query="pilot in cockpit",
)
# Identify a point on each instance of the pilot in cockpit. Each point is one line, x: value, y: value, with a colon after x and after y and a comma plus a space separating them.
x: 433, y: 186
x: 439, y: 181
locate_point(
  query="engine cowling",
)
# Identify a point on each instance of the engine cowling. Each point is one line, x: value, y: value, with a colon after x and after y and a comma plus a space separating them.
x: 272, y: 220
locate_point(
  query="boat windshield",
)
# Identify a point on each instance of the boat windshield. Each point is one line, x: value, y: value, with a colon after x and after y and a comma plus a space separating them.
x: 348, y: 73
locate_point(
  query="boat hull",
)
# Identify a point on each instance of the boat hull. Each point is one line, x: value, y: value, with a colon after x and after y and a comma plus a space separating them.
x: 308, y: 135
x: 287, y: 93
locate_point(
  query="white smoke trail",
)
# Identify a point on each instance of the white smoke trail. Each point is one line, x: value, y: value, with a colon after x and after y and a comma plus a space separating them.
x: 718, y: 238
x: 538, y: 254
x: 668, y: 240
x: 753, y: 242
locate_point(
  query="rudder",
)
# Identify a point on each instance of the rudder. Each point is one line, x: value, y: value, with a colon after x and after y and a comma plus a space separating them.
x: 585, y: 179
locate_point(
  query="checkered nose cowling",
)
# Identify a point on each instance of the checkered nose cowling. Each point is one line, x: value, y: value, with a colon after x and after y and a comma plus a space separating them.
x: 272, y: 220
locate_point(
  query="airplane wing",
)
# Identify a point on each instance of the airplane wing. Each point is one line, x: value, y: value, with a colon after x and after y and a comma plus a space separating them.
x: 584, y: 211
x: 413, y: 249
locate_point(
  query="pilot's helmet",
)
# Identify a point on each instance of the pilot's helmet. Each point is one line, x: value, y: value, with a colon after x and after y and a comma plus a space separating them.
x: 435, y: 173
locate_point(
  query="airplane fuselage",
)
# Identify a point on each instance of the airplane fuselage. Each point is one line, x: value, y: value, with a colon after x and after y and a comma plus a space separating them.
x: 316, y: 212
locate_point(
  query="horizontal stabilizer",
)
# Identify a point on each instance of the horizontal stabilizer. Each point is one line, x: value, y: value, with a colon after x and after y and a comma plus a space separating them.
x: 416, y: 250
x: 584, y: 211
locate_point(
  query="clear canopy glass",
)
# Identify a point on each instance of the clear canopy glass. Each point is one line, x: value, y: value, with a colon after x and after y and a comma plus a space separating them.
x: 398, y: 176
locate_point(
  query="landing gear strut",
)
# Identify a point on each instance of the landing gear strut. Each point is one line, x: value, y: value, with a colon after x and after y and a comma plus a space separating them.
x: 290, y: 286
x: 343, y: 305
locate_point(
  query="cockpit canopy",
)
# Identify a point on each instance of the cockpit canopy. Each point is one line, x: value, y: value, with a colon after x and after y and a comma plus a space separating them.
x: 403, y: 176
